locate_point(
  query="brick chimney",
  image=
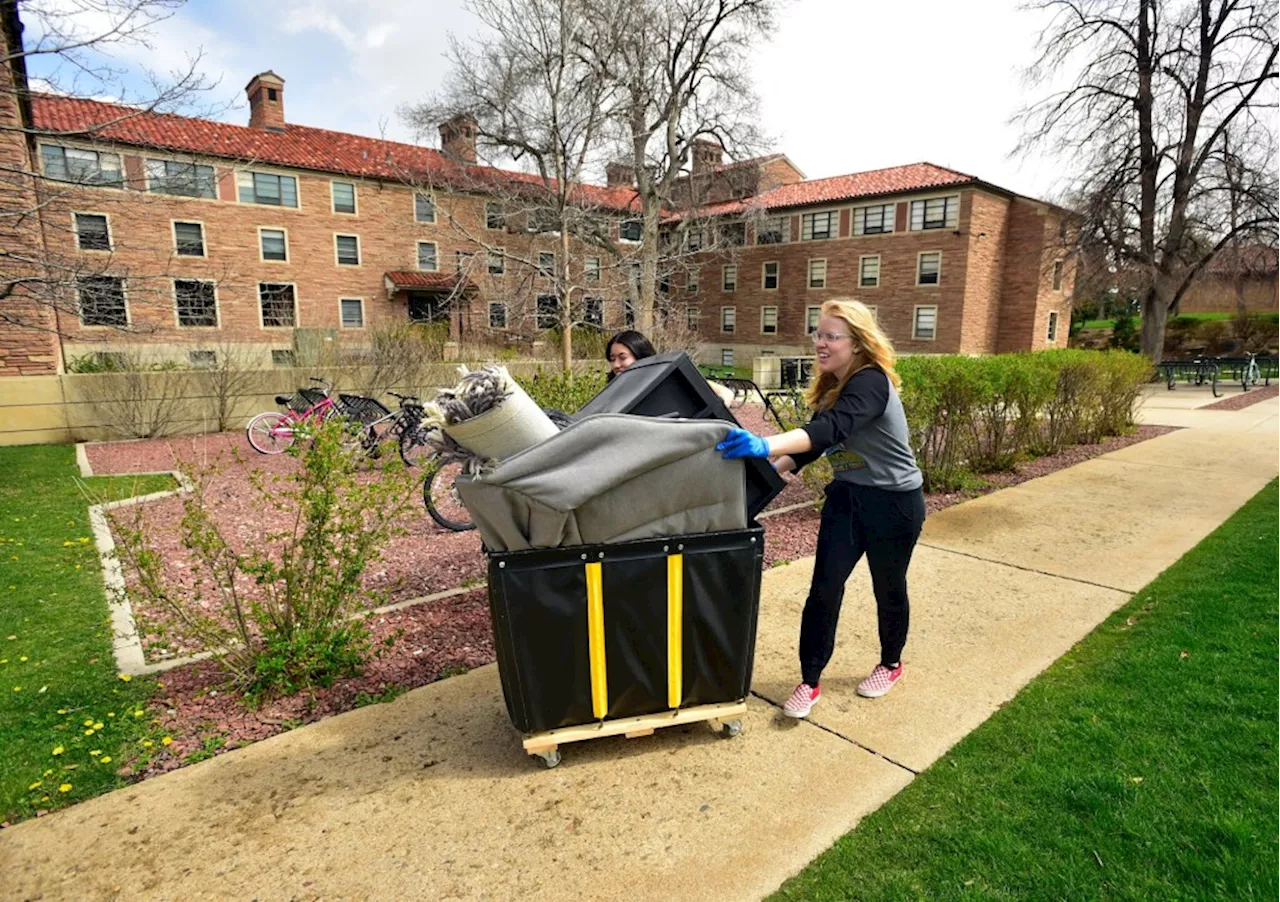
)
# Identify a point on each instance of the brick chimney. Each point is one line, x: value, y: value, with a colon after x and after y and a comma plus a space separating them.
x: 266, y: 101
x: 619, y: 175
x: 458, y: 138
x: 707, y: 155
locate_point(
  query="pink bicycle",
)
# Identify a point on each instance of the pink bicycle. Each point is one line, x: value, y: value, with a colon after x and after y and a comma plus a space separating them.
x: 273, y: 432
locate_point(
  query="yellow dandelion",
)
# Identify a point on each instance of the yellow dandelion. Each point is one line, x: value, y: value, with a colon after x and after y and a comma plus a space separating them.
x: 105, y: 759
x: 84, y: 540
x: 168, y: 740
x: 89, y: 722
x: 89, y: 732
x: 57, y: 750
x: 65, y: 787
x: 139, y: 713
x: 62, y: 710
x: 98, y: 725
x: 36, y: 785
x: 67, y: 544
x: 22, y: 658
x: 4, y: 660
x: 111, y: 714
x: 147, y: 743
x: 95, y: 752
x: 17, y: 688
x: 124, y: 677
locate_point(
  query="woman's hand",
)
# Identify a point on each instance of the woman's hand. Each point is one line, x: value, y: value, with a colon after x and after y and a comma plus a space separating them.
x: 786, y: 467
x: 740, y: 443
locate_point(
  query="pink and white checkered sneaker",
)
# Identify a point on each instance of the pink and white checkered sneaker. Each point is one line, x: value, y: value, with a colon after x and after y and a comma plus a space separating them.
x: 880, y: 681
x: 802, y: 701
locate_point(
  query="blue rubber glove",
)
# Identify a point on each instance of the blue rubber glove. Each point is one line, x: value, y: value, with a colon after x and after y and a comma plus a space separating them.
x: 741, y: 443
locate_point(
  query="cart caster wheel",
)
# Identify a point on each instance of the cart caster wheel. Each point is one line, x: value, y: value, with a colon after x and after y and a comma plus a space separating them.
x: 730, y: 728
x: 549, y: 759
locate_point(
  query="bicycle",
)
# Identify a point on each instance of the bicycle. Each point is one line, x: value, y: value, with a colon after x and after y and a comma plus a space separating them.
x: 272, y: 432
x: 1250, y: 375
x: 376, y: 425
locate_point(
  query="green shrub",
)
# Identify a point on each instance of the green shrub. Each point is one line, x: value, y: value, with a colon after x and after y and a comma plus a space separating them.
x: 566, y: 391
x: 1125, y: 333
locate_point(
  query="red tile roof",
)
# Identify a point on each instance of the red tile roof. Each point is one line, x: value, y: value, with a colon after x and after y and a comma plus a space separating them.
x: 298, y: 146
x: 431, y: 281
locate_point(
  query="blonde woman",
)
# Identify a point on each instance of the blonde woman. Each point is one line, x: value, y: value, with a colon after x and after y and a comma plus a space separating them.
x: 874, y: 505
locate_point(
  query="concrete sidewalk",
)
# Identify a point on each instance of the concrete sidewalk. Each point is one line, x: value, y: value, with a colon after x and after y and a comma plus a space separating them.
x: 430, y: 797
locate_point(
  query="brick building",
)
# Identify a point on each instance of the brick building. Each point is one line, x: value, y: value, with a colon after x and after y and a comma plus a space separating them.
x: 165, y: 233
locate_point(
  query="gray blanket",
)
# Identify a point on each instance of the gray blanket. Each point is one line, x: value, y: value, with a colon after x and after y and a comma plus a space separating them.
x: 610, y: 478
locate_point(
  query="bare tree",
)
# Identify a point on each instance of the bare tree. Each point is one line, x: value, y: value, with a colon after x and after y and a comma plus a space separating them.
x: 681, y: 76
x: 1155, y: 90
x: 230, y: 374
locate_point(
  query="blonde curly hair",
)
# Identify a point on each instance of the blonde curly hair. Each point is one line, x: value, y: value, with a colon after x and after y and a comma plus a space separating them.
x: 873, y: 348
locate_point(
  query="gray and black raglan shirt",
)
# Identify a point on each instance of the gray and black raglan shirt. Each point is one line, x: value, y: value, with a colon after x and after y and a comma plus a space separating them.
x: 864, y: 435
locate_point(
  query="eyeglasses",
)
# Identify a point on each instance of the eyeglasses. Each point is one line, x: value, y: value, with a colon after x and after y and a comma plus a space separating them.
x: 829, y: 336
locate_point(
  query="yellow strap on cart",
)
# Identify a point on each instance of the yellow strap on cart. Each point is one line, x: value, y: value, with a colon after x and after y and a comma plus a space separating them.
x: 595, y: 642
x: 675, y: 630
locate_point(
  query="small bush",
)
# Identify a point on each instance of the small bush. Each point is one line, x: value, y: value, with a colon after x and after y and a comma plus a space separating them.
x: 565, y: 391
x: 1125, y: 334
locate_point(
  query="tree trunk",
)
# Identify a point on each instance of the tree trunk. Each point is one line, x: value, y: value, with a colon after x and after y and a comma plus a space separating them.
x: 649, y: 252
x: 1155, y: 314
x: 566, y: 299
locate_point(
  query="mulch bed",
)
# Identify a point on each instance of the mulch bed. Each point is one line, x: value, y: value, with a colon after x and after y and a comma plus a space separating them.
x: 1245, y: 398
x: 435, y: 638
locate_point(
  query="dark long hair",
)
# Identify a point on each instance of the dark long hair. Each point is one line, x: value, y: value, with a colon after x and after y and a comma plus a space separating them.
x: 635, y: 342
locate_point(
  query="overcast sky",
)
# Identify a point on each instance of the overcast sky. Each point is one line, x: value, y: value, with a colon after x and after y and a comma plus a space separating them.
x: 845, y: 85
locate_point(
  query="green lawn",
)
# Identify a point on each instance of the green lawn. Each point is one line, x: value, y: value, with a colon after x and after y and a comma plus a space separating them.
x: 1201, y: 317
x: 61, y: 699
x: 1141, y: 765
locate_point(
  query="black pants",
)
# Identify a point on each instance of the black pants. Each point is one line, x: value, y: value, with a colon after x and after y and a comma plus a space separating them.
x: 859, y: 520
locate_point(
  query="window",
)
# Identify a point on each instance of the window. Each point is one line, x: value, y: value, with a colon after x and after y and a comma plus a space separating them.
x: 282, y: 357
x: 84, y: 167
x: 728, y: 318
x: 1053, y: 326
x: 693, y: 239
x: 769, y: 275
x: 818, y: 273
x: 729, y: 277
x: 272, y: 94
x: 197, y: 303
x: 547, y: 265
x: 771, y: 231
x: 188, y: 239
x: 817, y: 226
x: 592, y: 269
x: 428, y: 258
x: 929, y: 269
x: 497, y: 315
x: 277, y: 305
x: 925, y: 325
x: 348, y: 248
x: 497, y: 262
x: 631, y: 230
x: 692, y: 316
x: 811, y: 317
x: 344, y: 197
x: 548, y: 311
x: 769, y: 320
x: 726, y: 356
x: 182, y: 179
x: 935, y: 213
x: 424, y: 208
x: 202, y: 360
x: 352, y: 313
x: 875, y: 220
x: 495, y: 218
x: 593, y: 311
x: 875, y: 312
x: 463, y: 261
x: 275, y: 245
x: 869, y: 272
x: 692, y: 279
x: 266, y: 188
x: 92, y: 233
x: 1057, y: 275
x: 733, y: 234
x: 629, y: 312
x: 102, y: 301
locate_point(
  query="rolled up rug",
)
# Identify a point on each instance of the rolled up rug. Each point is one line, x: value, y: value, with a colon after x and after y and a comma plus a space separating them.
x: 491, y: 416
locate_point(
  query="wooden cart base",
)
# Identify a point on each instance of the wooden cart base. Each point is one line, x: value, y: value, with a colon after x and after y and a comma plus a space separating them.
x: 546, y: 745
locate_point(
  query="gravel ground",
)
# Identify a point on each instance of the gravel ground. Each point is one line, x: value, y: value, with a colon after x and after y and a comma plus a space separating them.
x: 1245, y: 398
x: 428, y: 640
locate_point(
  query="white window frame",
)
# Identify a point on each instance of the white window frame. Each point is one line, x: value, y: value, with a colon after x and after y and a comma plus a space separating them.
x: 861, y: 263
x: 359, y: 250
x: 502, y: 216
x: 727, y: 357
x: 343, y: 325
x: 915, y: 322
x: 625, y: 240
x: 875, y: 311
x: 693, y: 280
x: 835, y: 224
x: 543, y: 272
x: 75, y: 231
x: 811, y: 321
x: 65, y: 146
x: 124, y: 292
x: 146, y: 178
x: 764, y: 275
x: 1059, y: 274
x: 784, y: 224
x: 429, y: 195
x: 732, y: 311
x: 591, y: 270
x: 1051, y: 331
x: 946, y: 224
x: 288, y: 256
x: 498, y: 256
x: 724, y: 274
x: 204, y: 239
x: 763, y: 316
x: 217, y: 303
x: 506, y: 315
x: 808, y: 282
x: 297, y: 308
x: 333, y: 200
x: 297, y: 187
x: 417, y: 259
x: 692, y: 317
x: 858, y: 215
x: 919, y: 260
